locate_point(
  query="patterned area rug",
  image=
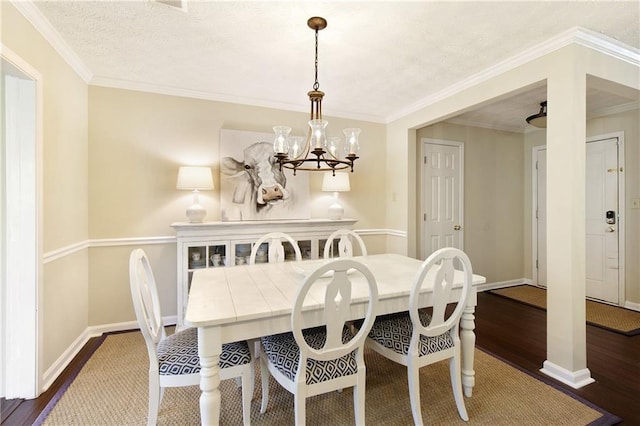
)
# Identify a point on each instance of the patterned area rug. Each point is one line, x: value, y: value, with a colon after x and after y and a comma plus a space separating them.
x: 614, y: 318
x: 111, y: 389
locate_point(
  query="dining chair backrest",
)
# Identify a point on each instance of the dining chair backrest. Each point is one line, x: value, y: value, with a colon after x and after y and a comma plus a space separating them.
x: 338, y: 298
x: 345, y: 244
x: 276, y: 250
x: 146, y: 302
x: 441, y: 266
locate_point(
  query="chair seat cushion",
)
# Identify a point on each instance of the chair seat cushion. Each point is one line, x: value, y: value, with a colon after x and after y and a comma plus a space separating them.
x: 178, y: 354
x: 394, y: 332
x: 283, y: 352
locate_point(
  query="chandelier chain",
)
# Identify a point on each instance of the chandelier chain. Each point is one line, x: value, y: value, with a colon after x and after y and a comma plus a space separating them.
x: 316, y: 85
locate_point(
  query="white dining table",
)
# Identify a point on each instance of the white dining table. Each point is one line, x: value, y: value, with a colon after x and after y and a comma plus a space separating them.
x: 235, y: 303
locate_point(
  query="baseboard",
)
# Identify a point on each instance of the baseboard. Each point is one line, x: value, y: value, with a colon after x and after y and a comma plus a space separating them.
x: 502, y: 284
x: 575, y: 379
x: 632, y: 305
x: 67, y: 356
x: 64, y: 360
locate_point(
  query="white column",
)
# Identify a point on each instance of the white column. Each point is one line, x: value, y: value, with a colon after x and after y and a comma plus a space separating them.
x: 566, y: 151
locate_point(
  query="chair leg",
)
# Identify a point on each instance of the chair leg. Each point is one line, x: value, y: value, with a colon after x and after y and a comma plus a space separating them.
x: 300, y: 407
x: 359, y: 401
x: 155, y: 396
x: 247, y: 394
x: 455, y: 371
x: 413, y: 376
x: 264, y: 375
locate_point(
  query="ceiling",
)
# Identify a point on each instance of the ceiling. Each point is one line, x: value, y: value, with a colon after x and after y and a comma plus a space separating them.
x: 378, y: 60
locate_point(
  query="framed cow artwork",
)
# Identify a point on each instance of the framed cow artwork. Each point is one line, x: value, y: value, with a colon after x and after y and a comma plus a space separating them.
x: 252, y: 186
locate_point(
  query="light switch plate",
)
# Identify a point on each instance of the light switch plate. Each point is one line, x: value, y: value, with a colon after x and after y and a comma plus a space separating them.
x: 635, y: 204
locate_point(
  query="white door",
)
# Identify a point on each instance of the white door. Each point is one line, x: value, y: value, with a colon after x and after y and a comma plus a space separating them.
x: 442, y: 195
x: 602, y: 219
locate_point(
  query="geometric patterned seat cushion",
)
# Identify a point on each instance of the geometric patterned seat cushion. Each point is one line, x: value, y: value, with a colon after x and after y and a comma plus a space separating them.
x: 178, y: 354
x: 283, y: 352
x: 394, y: 332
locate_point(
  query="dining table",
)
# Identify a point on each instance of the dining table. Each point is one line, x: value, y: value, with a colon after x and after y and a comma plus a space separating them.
x: 245, y: 302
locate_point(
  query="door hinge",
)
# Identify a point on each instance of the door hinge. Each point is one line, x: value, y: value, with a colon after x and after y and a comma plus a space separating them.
x: 536, y: 263
x: 536, y: 165
x: 537, y: 214
x: 425, y: 159
x: 425, y: 217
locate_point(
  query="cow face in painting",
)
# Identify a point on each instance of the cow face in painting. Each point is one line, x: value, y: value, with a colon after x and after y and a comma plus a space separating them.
x: 259, y: 178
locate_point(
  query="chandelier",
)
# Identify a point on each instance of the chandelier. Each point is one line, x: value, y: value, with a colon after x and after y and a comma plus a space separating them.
x: 319, y: 152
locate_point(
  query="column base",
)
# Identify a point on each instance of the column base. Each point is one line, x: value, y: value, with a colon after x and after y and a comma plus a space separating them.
x: 575, y: 379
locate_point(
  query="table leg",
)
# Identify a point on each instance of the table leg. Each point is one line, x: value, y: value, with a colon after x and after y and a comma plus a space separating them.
x: 468, y: 341
x: 209, y: 349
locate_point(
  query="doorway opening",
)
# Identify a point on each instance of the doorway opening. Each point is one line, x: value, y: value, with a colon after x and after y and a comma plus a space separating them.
x: 604, y: 239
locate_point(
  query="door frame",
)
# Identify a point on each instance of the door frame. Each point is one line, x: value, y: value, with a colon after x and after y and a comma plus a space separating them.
x: 22, y: 322
x: 422, y: 227
x: 621, y: 210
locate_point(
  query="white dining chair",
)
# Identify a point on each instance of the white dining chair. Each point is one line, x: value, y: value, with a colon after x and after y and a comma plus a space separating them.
x: 276, y: 251
x: 345, y: 244
x: 173, y: 359
x: 312, y: 361
x: 416, y: 339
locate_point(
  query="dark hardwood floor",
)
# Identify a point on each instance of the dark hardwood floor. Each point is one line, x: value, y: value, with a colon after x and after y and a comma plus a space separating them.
x: 511, y: 330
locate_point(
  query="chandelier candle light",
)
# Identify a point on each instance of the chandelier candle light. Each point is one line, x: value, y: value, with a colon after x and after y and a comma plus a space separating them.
x: 326, y: 151
x: 195, y: 179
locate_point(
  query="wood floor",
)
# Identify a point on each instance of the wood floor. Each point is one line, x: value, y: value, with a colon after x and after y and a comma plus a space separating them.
x: 511, y: 330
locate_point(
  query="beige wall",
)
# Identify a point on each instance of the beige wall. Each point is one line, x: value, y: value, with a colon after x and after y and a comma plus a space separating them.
x: 629, y: 123
x: 64, y: 301
x: 493, y: 209
x: 138, y: 140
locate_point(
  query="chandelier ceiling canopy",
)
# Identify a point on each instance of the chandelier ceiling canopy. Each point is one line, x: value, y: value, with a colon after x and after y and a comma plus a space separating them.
x: 316, y: 152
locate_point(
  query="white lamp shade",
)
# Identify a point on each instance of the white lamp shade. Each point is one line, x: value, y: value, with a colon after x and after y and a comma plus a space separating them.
x: 337, y: 183
x: 194, y: 178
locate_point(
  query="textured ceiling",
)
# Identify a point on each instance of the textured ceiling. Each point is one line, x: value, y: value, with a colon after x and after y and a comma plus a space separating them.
x: 377, y: 60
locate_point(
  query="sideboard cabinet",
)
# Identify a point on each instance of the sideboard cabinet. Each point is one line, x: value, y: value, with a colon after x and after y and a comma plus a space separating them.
x: 227, y: 244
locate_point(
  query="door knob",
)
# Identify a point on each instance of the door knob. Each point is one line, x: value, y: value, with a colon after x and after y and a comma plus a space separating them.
x: 457, y: 227
x: 611, y: 229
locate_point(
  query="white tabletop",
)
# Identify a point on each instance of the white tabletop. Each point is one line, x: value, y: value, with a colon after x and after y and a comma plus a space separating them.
x: 226, y: 295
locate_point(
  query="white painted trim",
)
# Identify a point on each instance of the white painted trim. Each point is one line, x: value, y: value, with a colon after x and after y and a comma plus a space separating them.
x: 67, y: 356
x: 575, y: 379
x: 501, y: 284
x: 22, y: 339
x: 113, y: 242
x: 581, y: 36
x: 104, y: 242
x: 64, y: 360
x: 44, y: 27
x: 388, y: 232
x: 64, y: 251
x: 632, y: 305
x: 132, y: 241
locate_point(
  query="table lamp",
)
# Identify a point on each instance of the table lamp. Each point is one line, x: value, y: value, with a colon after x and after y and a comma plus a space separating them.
x: 337, y: 183
x: 195, y: 179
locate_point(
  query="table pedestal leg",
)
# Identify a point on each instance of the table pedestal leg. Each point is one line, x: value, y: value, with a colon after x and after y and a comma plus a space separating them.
x: 209, y: 349
x: 468, y: 340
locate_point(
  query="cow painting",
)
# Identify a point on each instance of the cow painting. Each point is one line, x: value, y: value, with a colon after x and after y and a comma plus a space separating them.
x: 256, y: 188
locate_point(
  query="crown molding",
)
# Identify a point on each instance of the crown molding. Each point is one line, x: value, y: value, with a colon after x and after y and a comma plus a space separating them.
x: 576, y: 35
x: 220, y: 97
x: 32, y: 14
